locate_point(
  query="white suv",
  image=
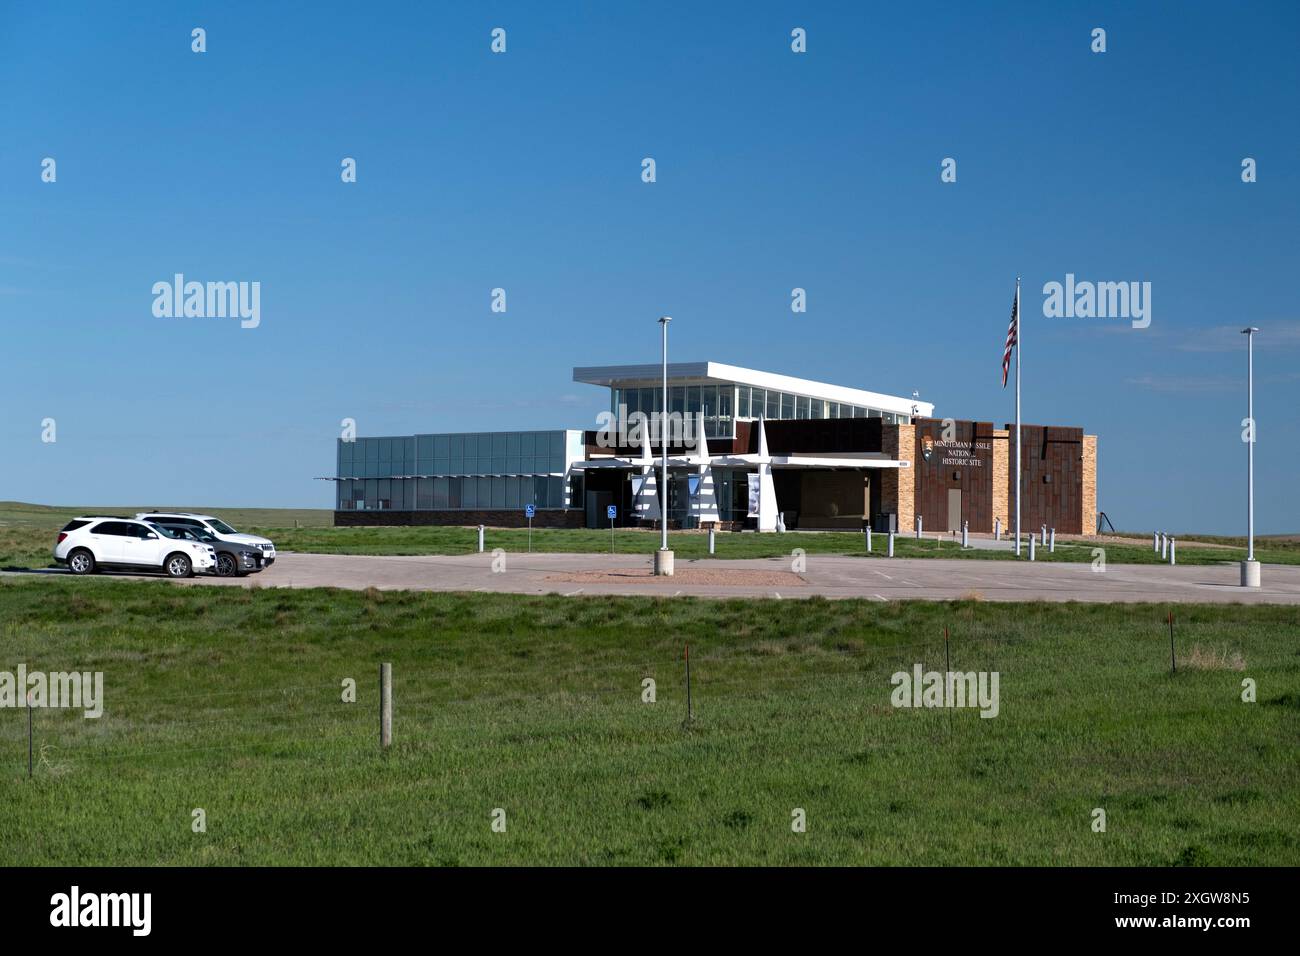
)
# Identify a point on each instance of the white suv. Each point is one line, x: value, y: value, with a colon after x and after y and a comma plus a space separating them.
x: 89, y: 543
x: 215, y: 527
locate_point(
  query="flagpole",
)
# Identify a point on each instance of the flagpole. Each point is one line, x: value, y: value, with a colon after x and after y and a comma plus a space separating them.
x: 1019, y: 346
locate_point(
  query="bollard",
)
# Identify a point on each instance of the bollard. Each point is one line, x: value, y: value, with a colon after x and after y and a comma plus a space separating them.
x: 1044, y: 537
x: 891, y: 544
x: 965, y: 534
x: 1173, y: 550
x: 918, y: 527
x: 711, y: 539
x: 1164, y: 545
x: 868, y: 539
x: 1051, y: 545
x: 480, y: 539
x: 1031, y: 546
x: 1155, y: 541
x: 997, y: 529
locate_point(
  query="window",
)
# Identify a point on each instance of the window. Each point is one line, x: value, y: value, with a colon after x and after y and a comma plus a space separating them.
x: 890, y: 418
x: 116, y: 528
x: 787, y: 405
x: 742, y: 402
x: 773, y: 404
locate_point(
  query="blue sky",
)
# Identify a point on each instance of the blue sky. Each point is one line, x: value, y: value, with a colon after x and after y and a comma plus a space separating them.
x: 522, y: 171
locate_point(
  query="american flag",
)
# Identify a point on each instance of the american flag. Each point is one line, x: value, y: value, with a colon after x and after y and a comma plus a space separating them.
x: 1013, y: 332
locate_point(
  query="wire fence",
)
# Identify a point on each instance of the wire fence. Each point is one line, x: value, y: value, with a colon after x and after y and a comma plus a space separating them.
x: 314, y: 719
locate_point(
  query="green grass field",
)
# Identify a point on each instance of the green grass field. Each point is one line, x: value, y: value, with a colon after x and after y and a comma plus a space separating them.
x: 229, y: 700
x: 27, y: 535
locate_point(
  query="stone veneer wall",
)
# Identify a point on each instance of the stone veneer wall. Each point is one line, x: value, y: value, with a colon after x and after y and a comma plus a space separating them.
x: 898, y: 485
x: 1002, y: 477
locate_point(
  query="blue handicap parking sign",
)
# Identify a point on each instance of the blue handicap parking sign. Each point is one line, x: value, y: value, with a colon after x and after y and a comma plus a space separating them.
x: 611, y: 512
x: 529, y: 511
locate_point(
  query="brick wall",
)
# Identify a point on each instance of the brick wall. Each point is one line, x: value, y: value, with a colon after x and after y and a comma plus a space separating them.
x: 1053, y: 472
x: 960, y: 459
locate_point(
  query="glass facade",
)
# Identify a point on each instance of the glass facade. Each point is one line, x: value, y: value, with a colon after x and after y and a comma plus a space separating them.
x: 463, y: 471
x: 722, y: 405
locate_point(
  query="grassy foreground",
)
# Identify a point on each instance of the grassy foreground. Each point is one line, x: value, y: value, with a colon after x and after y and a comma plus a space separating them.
x: 229, y: 700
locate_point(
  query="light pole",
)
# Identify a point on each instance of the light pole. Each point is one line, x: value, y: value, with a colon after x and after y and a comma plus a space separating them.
x: 1250, y: 567
x: 664, y: 557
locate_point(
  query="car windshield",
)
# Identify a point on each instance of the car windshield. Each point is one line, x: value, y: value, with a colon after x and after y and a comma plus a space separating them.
x: 165, y: 532
x: 221, y: 527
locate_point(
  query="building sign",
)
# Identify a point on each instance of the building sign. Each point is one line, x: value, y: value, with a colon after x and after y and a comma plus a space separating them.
x: 958, y: 453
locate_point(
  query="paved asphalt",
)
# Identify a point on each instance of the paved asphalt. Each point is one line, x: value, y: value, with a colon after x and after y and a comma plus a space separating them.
x: 881, y: 579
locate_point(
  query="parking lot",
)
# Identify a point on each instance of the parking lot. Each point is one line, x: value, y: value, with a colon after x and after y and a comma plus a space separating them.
x: 829, y: 576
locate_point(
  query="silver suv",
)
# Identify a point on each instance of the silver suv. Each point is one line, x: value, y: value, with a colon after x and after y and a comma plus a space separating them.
x: 215, y: 527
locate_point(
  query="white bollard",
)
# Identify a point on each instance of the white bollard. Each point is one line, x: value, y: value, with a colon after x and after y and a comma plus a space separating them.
x: 918, y: 527
x: 1173, y: 549
x: 711, y: 543
x: 480, y: 539
x: 997, y: 529
x: 1051, y: 546
x: 965, y: 534
x: 891, y: 544
x: 1155, y: 541
x: 1031, y: 546
x: 868, y: 539
x: 1164, y: 545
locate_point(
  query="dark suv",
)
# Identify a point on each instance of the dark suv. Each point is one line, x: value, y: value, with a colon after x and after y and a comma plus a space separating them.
x: 233, y: 560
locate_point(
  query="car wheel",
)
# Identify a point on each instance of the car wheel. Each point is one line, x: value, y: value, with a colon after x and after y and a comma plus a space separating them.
x: 81, y: 561
x: 227, y: 566
x: 178, y: 566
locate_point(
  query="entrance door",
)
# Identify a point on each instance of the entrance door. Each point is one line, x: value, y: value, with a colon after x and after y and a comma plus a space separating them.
x: 954, y: 509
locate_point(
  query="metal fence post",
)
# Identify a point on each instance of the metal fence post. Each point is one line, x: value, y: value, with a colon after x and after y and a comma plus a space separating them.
x: 385, y: 704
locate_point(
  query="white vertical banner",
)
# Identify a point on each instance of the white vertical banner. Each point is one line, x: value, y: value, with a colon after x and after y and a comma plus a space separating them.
x: 754, y: 491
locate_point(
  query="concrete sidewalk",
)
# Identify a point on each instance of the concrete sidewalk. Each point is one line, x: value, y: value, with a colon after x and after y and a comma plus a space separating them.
x: 880, y: 579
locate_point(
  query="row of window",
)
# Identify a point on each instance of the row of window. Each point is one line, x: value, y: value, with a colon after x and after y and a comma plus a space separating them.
x: 444, y: 494
x: 717, y: 401
x: 469, y: 445
x: 773, y: 405
x: 452, y: 466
